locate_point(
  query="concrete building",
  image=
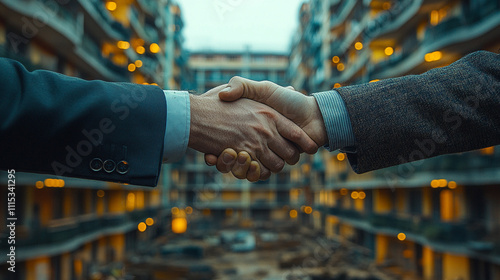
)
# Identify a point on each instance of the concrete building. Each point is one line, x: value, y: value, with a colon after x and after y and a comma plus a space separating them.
x: 437, y: 219
x: 82, y: 229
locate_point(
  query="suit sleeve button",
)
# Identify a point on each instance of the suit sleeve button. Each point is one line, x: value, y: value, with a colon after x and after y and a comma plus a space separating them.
x: 122, y: 167
x: 96, y: 164
x: 109, y: 166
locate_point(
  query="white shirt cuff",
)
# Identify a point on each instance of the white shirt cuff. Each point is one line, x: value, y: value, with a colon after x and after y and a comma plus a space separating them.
x: 178, y: 122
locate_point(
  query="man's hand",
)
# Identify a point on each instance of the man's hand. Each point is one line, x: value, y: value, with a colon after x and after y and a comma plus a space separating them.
x: 245, y: 125
x: 302, y: 110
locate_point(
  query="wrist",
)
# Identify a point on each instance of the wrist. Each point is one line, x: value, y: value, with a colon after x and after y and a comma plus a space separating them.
x: 194, y: 130
x: 318, y: 129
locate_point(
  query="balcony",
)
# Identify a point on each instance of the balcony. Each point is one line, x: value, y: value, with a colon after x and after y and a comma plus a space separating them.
x: 393, y: 19
x: 353, y: 67
x: 91, y: 55
x: 409, y: 47
x: 462, y: 236
x: 149, y: 6
x: 103, y: 21
x: 62, y: 26
x: 68, y: 234
x: 144, y: 31
x: 344, y: 10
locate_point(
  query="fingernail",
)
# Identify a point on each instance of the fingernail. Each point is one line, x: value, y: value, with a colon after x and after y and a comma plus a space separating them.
x: 227, y: 158
x: 242, y: 159
x: 253, y: 168
x: 227, y: 89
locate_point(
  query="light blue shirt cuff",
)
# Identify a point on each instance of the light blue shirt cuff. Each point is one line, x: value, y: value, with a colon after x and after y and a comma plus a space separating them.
x: 337, y: 122
x: 178, y: 122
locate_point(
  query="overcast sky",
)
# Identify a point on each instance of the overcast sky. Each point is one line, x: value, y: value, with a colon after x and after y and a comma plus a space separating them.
x: 264, y: 25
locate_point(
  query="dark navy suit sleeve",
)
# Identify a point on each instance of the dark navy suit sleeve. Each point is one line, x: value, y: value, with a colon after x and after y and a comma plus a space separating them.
x: 445, y: 110
x: 54, y: 124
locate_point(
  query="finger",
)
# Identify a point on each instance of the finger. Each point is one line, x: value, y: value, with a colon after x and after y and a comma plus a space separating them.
x: 289, y: 130
x: 265, y: 173
x: 284, y: 149
x: 253, y: 174
x: 226, y: 160
x: 242, y: 165
x: 271, y: 161
x: 210, y: 160
x: 290, y: 87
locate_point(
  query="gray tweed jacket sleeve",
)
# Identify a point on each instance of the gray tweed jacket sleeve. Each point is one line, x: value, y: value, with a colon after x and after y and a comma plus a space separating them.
x: 445, y: 110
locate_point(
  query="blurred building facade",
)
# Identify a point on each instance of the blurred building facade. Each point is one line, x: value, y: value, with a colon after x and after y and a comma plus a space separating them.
x: 214, y: 68
x: 81, y: 229
x: 436, y: 219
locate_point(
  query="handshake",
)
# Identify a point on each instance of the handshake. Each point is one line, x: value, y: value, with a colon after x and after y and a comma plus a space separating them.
x: 254, y: 127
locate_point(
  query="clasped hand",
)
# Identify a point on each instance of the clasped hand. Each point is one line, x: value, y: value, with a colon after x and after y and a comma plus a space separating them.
x: 253, y: 138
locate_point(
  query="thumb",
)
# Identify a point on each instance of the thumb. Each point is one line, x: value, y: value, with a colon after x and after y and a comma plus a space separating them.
x: 233, y: 91
x: 239, y: 87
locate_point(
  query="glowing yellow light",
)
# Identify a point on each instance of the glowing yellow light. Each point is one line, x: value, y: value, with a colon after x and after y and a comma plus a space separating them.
x: 138, y: 63
x: 131, y: 67
x: 154, y: 84
x: 434, y: 56
x: 293, y: 214
x: 343, y: 191
x: 154, y: 48
x: 179, y: 225
x: 434, y: 20
x: 39, y: 184
x: 386, y: 5
x: 435, y: 184
x: 150, y: 221
x: 362, y: 195
x: 401, y: 236
x: 189, y: 210
x: 374, y: 81
x: 437, y: 55
x: 442, y: 183
x: 341, y: 157
x: 335, y: 59
x: 111, y: 5
x: 175, y: 211
x: 308, y: 210
x: 140, y: 50
x: 141, y: 227
x: 389, y: 51
x: 428, y: 57
x: 452, y: 185
x: 340, y: 67
x: 48, y: 182
x: 358, y: 46
x: 337, y: 85
x: 354, y: 195
x: 130, y: 204
x: 123, y: 45
x: 100, y: 193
